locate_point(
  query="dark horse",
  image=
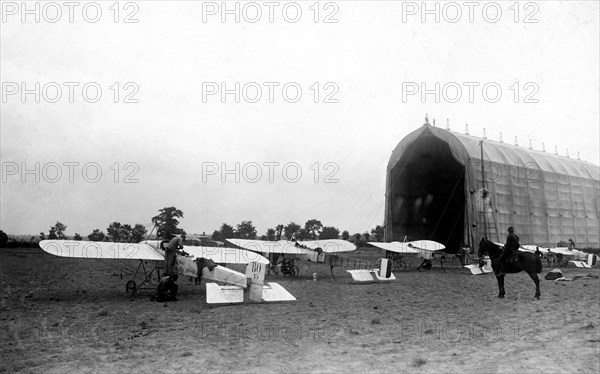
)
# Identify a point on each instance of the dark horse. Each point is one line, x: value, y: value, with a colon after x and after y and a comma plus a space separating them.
x: 526, y: 261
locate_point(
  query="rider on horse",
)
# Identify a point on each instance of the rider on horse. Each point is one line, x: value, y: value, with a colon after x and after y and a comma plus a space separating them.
x: 511, y: 246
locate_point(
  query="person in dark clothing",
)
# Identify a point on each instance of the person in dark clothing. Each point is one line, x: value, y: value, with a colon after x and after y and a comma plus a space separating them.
x: 425, y: 265
x: 166, y: 290
x: 171, y: 248
x: 538, y: 253
x: 201, y: 263
x: 511, y: 246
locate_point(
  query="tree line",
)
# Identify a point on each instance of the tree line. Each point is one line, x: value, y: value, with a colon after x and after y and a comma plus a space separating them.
x: 313, y: 229
x: 167, y: 221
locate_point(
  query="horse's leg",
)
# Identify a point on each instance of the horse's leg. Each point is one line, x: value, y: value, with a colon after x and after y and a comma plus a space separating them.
x: 500, y: 279
x: 533, y: 275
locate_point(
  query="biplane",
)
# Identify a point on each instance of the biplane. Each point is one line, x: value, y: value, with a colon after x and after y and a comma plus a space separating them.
x: 151, y: 256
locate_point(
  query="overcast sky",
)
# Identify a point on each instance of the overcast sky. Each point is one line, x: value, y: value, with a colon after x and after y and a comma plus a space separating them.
x: 171, y: 132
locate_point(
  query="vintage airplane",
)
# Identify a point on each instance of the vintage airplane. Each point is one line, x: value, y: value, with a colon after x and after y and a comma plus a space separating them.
x: 304, y: 247
x: 545, y: 251
x: 585, y: 260
x: 422, y: 248
x: 578, y: 258
x: 151, y: 250
x: 315, y: 251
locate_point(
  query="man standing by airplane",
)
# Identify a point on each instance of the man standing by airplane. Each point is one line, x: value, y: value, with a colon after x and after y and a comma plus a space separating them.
x: 511, y: 246
x: 171, y: 248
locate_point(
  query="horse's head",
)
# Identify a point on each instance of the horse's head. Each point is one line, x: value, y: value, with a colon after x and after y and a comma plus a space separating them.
x: 486, y: 246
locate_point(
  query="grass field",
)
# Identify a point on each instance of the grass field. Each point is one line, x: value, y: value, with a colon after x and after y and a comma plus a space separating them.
x: 73, y: 315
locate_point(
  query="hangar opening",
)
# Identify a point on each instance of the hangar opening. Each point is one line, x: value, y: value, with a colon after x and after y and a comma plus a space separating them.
x: 428, y: 193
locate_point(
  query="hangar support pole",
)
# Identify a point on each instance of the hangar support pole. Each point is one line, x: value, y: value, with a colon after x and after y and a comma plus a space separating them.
x: 486, y: 228
x: 483, y: 208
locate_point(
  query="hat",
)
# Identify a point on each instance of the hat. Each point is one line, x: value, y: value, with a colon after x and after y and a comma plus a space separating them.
x: 510, y: 229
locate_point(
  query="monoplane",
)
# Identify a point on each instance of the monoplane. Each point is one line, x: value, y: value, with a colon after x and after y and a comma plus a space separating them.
x: 189, y: 263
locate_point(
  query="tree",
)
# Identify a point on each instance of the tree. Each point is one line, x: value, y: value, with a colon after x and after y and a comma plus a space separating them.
x: 270, y: 234
x: 125, y: 233
x: 216, y: 235
x: 357, y: 236
x: 77, y: 237
x: 329, y: 232
x: 303, y: 234
x: 166, y: 222
x: 279, y: 230
x: 378, y: 233
x: 57, y: 231
x: 60, y: 230
x: 313, y: 227
x: 96, y: 236
x: 138, y: 233
x: 114, y: 231
x: 345, y: 235
x: 226, y: 232
x: 290, y: 229
x: 42, y: 236
x: 246, y: 230
x: 367, y: 236
x: 52, y: 234
x: 3, y: 239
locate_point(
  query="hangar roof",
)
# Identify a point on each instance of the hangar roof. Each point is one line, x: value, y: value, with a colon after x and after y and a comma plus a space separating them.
x: 465, y: 148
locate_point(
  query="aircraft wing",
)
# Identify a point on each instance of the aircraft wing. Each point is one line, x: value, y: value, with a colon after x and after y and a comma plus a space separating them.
x: 410, y: 247
x: 264, y: 246
x: 101, y: 250
x: 561, y: 250
x: 328, y: 245
x: 426, y: 245
x: 223, y: 255
x: 398, y: 247
x: 217, y: 254
x: 532, y: 248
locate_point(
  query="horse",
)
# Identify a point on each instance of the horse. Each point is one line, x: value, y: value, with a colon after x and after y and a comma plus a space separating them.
x: 526, y: 261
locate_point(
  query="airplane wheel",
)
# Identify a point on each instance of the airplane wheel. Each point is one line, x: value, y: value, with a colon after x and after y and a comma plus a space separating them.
x: 400, y: 266
x: 130, y: 286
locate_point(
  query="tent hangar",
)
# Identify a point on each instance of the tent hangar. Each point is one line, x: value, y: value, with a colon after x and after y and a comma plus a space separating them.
x: 434, y: 191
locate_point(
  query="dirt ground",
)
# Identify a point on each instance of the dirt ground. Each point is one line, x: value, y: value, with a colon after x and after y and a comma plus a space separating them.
x: 66, y: 315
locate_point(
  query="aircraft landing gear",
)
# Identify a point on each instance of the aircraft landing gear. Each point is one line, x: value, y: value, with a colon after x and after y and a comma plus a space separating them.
x: 131, y: 286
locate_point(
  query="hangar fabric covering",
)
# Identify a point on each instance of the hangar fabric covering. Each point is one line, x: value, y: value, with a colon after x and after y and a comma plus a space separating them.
x: 434, y: 191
